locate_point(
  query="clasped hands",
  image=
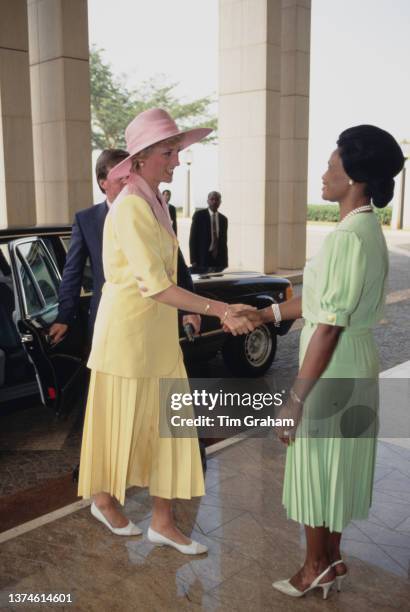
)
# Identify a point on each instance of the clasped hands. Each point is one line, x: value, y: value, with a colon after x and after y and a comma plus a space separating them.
x: 241, y: 319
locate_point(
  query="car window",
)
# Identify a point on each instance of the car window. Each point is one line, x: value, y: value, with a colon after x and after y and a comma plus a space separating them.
x: 39, y: 278
x: 49, y: 242
x: 87, y: 282
x: 5, y: 268
x: 8, y: 333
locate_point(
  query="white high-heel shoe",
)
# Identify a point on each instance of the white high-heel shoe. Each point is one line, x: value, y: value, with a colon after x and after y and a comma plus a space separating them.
x: 340, y: 577
x: 285, y: 587
x: 128, y: 530
x: 195, y: 548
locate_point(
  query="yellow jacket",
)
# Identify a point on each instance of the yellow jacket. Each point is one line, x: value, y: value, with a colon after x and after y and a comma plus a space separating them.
x: 134, y: 335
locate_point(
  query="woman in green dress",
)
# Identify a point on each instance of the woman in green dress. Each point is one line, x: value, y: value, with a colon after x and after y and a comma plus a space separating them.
x: 329, y: 475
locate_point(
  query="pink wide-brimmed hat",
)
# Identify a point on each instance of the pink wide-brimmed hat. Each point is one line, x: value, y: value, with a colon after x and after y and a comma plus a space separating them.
x: 148, y: 128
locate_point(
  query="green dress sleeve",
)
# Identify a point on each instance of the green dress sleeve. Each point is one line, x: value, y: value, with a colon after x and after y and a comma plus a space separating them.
x: 341, y: 277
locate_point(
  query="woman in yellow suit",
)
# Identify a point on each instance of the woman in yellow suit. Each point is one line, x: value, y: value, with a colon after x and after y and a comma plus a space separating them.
x: 136, y: 344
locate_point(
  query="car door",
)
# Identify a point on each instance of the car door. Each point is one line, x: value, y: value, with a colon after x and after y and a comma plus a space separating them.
x: 59, y: 368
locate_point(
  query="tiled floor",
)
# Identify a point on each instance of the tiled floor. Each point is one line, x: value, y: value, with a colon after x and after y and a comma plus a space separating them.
x: 35, y: 446
x: 250, y: 542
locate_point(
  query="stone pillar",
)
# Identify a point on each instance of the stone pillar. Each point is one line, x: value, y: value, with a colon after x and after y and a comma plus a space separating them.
x: 294, y: 130
x: 17, y: 203
x: 398, y: 200
x: 406, y: 200
x: 252, y: 140
x: 401, y: 200
x: 60, y: 86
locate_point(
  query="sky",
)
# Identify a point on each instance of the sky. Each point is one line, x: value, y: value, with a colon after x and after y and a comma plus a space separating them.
x: 360, y: 68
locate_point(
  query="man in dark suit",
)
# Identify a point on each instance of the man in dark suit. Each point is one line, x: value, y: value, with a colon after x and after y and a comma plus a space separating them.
x: 172, y: 210
x: 208, y: 239
x: 86, y: 241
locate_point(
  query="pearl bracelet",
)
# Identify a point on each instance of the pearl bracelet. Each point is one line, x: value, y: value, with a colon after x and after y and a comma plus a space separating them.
x: 225, y: 315
x: 295, y: 397
x: 276, y: 314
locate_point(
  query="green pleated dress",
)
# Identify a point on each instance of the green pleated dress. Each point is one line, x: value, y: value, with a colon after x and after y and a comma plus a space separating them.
x: 330, y: 467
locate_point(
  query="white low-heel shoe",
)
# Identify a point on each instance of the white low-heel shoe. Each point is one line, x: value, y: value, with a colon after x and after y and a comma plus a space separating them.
x: 285, y: 587
x: 195, y: 548
x: 128, y: 530
x: 340, y: 577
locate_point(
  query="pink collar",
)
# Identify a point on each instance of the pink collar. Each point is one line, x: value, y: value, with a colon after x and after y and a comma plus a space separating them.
x: 136, y: 185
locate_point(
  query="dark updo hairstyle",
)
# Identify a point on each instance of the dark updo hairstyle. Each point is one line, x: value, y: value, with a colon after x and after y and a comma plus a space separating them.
x: 371, y: 155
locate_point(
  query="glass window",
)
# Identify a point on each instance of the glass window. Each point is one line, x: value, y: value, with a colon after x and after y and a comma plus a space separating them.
x: 39, y: 278
x: 50, y: 246
x: 5, y: 269
x: 8, y: 333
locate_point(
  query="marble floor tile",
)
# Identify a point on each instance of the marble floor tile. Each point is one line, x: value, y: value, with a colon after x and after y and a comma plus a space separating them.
x: 383, y: 535
x: 352, y: 532
x: 258, y: 502
x: 391, y: 513
x: 208, y: 570
x: 251, y: 589
x: 56, y: 580
x: 373, y: 520
x: 251, y: 543
x: 400, y: 496
x: 242, y: 485
x: 394, y: 482
x: 392, y: 445
x: 386, y: 496
x: 389, y: 455
x: 244, y: 454
x: 373, y: 554
x: 210, y: 518
x: 381, y: 471
x: 250, y: 539
x: 283, y: 535
x: 404, y: 526
x: 217, y: 475
x: 400, y: 555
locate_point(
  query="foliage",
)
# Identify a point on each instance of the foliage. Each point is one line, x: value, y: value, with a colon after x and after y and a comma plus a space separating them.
x: 114, y: 105
x: 330, y: 213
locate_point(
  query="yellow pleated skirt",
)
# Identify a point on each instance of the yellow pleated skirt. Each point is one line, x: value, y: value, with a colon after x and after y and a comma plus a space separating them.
x: 122, y: 447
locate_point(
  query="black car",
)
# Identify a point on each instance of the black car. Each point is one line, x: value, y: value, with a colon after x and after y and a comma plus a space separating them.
x: 31, y: 264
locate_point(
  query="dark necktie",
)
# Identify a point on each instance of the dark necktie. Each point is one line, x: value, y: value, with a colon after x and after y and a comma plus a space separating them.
x: 214, y: 236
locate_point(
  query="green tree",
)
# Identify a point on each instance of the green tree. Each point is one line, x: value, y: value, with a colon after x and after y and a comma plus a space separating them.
x: 114, y: 105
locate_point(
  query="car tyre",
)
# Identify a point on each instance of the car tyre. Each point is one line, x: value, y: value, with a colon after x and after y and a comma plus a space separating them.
x: 251, y: 354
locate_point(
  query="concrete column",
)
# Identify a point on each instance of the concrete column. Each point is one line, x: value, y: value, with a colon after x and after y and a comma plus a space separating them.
x: 60, y: 87
x: 17, y: 204
x: 406, y: 200
x: 251, y: 137
x: 397, y: 203
x: 294, y: 129
x: 249, y: 105
x: 401, y: 200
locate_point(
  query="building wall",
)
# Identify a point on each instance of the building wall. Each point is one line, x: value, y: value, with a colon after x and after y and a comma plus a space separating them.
x: 263, y: 130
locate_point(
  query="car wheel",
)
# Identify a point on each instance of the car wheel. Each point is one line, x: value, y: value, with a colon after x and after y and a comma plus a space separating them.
x: 253, y: 354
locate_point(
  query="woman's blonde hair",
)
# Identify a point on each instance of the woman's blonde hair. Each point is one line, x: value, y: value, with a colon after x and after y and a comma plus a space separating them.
x: 139, y: 157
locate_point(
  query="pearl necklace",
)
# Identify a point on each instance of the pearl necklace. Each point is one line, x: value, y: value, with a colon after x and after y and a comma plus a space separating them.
x: 356, y: 211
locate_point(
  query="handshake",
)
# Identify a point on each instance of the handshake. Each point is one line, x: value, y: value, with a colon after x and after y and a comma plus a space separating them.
x: 242, y: 319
